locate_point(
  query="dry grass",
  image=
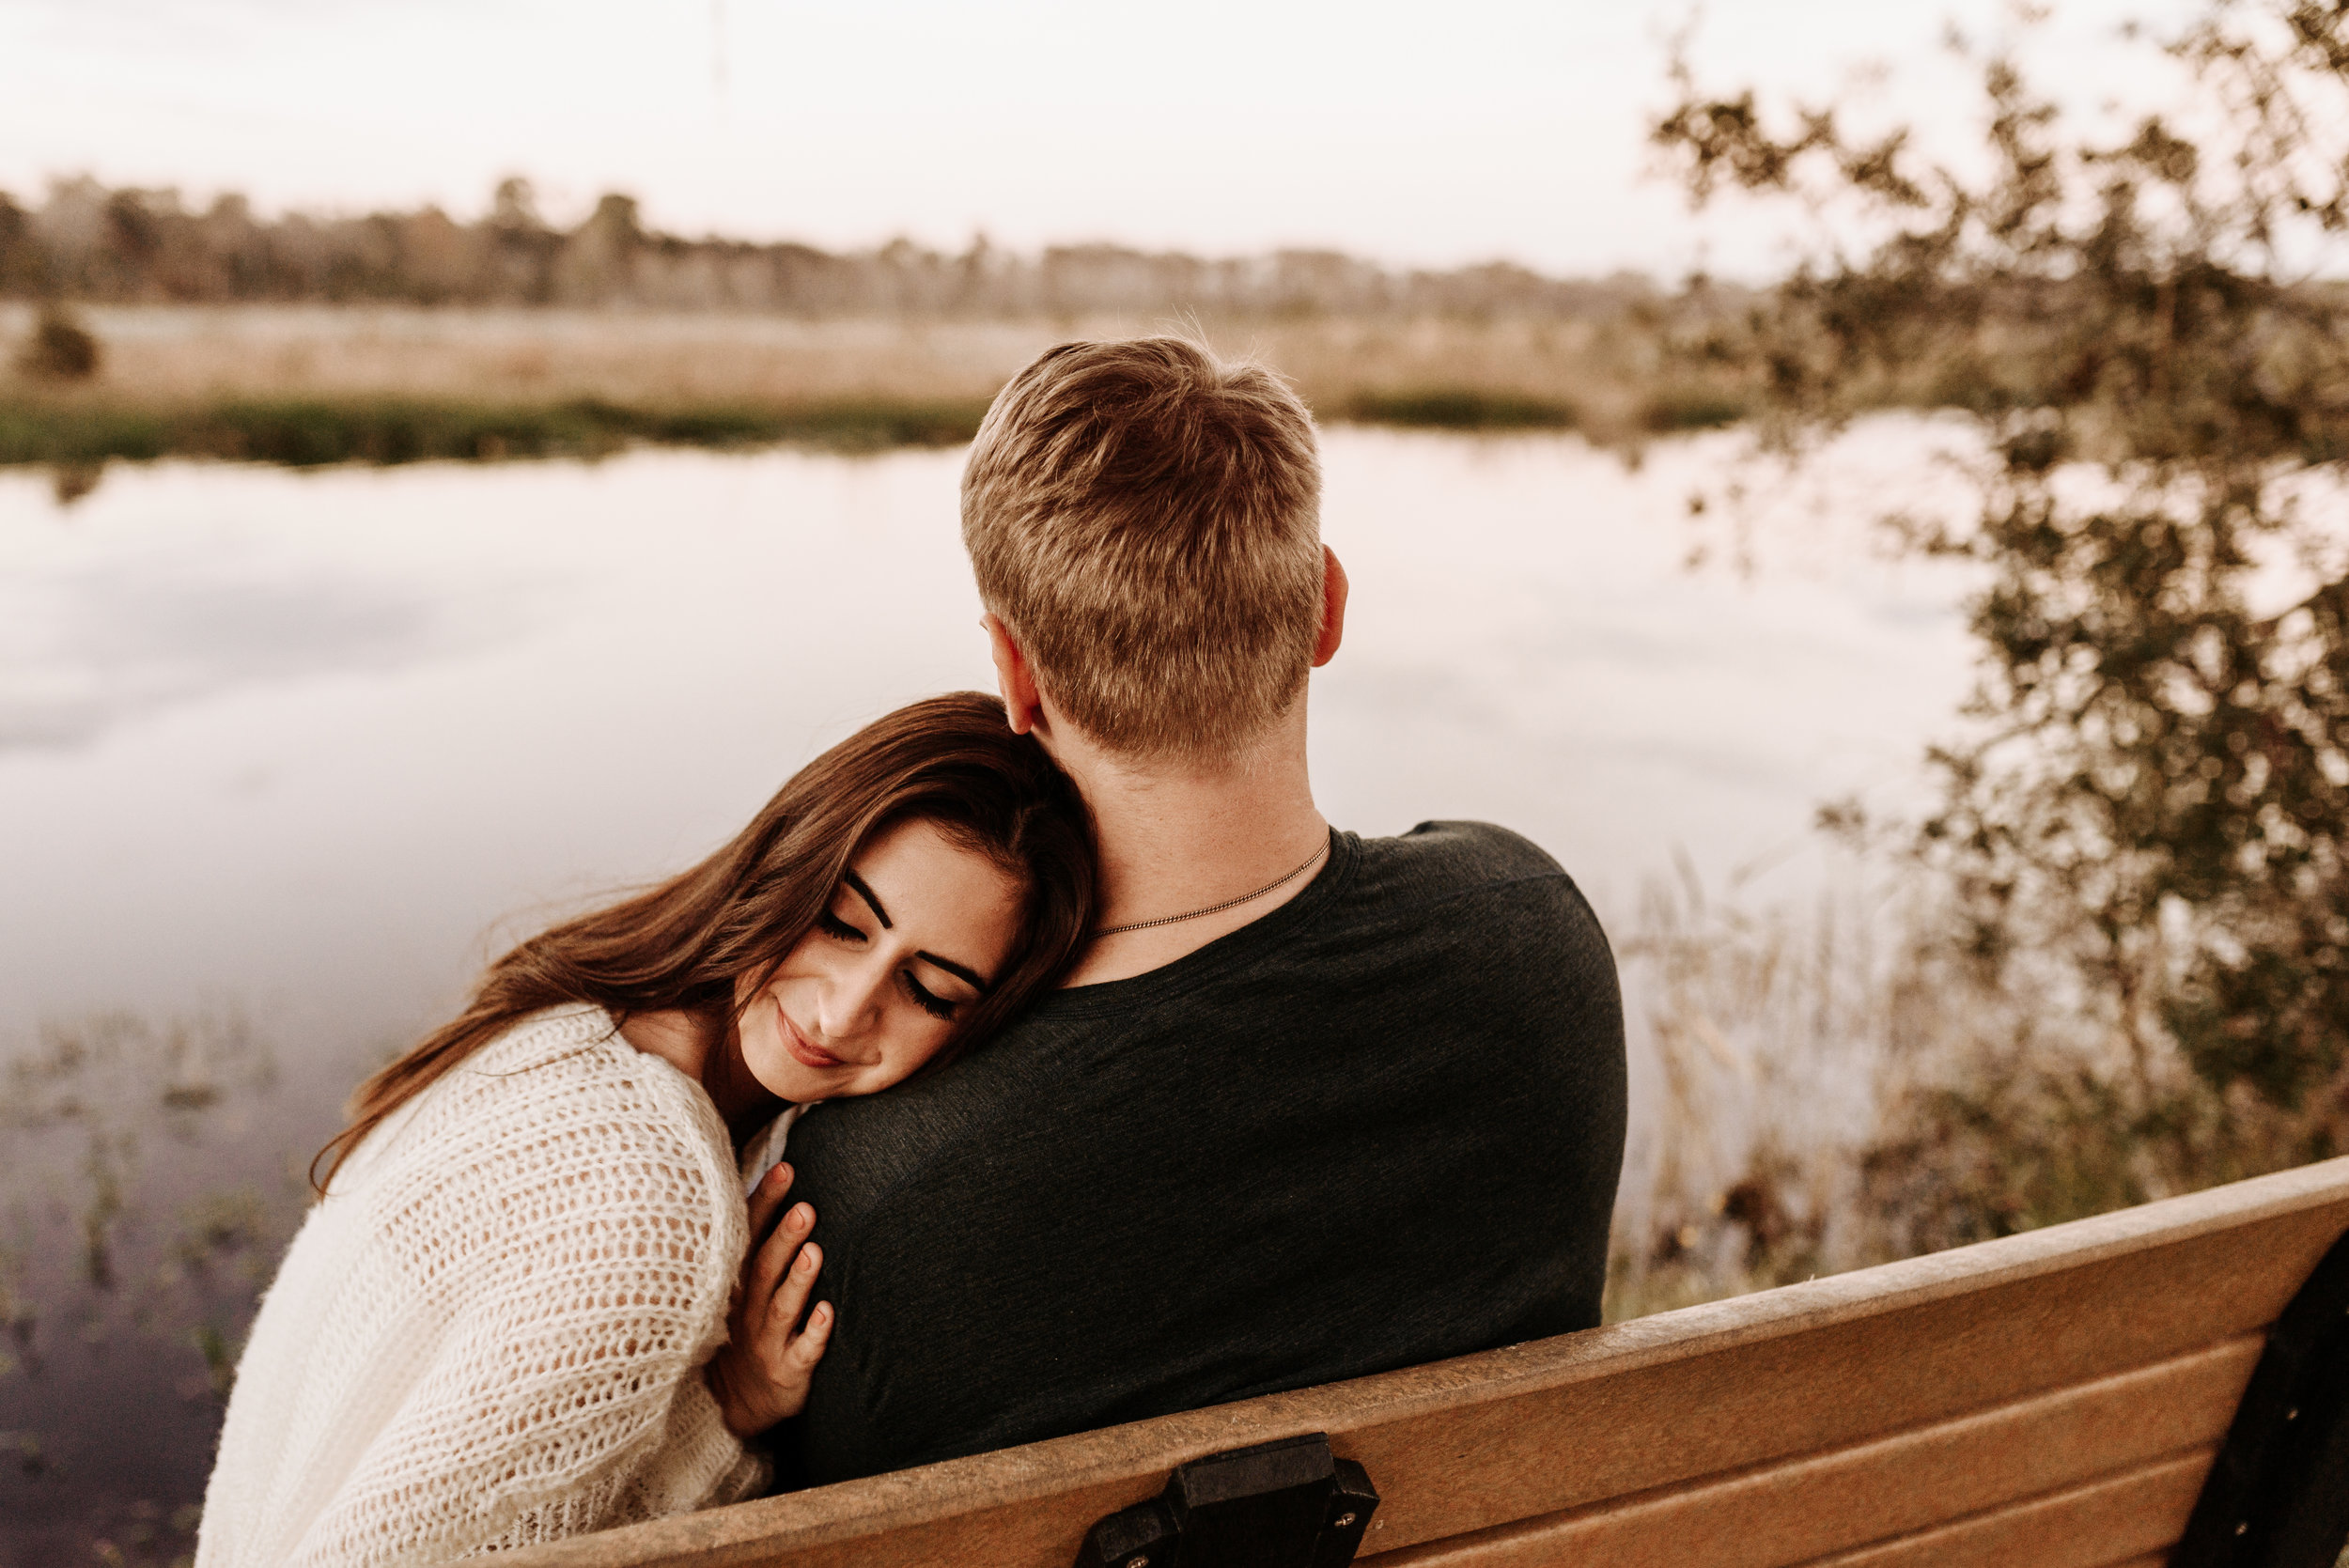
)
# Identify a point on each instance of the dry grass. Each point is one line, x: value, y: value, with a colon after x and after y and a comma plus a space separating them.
x: 173, y: 354
x: 1848, y: 1085
x: 1600, y: 375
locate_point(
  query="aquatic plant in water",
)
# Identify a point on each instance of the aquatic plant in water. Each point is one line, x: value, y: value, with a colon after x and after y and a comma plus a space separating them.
x: 142, y: 1209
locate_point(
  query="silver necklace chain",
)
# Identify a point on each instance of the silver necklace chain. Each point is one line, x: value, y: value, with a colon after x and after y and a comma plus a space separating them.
x: 1228, y: 904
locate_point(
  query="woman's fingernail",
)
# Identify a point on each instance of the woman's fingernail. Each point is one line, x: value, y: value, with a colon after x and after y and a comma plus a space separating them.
x: 807, y: 1261
x: 803, y: 1215
x: 780, y: 1174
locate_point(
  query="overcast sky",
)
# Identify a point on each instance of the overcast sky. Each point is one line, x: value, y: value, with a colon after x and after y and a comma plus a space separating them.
x: 1420, y: 133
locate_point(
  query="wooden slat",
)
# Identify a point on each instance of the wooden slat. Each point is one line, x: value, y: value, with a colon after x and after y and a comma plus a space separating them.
x: 1540, y: 1428
x: 1777, y: 1515
x: 2135, y: 1516
x: 1808, y: 1381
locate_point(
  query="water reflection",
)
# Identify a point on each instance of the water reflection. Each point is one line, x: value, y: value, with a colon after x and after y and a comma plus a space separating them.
x: 92, y: 645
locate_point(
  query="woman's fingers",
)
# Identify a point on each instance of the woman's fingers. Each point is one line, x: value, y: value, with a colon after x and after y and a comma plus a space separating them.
x: 771, y: 1264
x: 790, y: 1297
x: 761, y: 1376
x: 766, y: 1201
x: 807, y: 1345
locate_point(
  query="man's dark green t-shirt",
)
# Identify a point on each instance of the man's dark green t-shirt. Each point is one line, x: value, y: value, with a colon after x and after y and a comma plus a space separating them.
x: 1378, y: 1126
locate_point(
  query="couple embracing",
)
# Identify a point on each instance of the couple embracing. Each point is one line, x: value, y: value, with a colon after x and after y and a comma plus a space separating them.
x: 1025, y: 1066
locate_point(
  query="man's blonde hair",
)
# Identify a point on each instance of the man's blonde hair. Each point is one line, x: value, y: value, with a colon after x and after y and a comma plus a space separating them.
x: 1146, y: 519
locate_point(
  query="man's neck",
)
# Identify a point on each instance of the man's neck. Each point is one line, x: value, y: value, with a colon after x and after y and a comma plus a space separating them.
x: 1189, y: 834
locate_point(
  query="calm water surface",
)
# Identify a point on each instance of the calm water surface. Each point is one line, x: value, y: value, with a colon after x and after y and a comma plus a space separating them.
x: 282, y: 758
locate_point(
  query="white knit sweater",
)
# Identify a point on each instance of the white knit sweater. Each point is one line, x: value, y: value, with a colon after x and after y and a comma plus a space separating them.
x: 489, y: 1334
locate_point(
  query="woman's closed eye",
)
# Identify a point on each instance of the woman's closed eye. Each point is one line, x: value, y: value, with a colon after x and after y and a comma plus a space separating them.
x: 920, y: 995
x: 928, y: 1002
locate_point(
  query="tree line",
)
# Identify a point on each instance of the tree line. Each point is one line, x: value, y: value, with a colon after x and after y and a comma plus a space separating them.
x: 87, y: 243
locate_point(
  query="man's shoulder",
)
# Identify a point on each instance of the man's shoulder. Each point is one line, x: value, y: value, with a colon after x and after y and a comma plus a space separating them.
x: 1458, y: 876
x: 851, y: 1155
x: 1450, y: 856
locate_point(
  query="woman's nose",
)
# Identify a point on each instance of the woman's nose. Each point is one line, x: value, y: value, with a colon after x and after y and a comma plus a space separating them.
x: 850, y: 1003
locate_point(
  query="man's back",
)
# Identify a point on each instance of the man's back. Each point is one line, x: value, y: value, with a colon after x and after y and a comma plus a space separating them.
x: 1380, y: 1126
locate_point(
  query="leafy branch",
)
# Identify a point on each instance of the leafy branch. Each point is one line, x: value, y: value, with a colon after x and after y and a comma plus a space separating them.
x: 2139, y: 328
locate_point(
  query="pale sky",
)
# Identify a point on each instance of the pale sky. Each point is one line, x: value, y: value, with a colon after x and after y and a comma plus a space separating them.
x: 1417, y: 133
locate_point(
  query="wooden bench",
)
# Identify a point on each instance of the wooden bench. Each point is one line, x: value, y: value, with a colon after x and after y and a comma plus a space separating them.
x: 2054, y: 1398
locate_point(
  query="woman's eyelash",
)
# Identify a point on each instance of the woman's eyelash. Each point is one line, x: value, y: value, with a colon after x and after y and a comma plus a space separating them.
x: 936, y: 1007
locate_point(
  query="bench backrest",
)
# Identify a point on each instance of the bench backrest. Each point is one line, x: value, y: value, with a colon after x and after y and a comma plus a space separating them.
x: 2052, y: 1398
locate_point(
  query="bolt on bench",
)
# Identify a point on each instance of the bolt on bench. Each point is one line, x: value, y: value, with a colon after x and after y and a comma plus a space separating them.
x: 2077, y: 1397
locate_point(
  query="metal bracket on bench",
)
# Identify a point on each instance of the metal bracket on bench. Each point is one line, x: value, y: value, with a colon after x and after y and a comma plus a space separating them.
x: 1290, y: 1504
x: 2278, y: 1495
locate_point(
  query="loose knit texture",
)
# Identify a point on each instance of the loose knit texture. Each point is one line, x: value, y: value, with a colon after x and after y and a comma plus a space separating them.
x: 489, y: 1332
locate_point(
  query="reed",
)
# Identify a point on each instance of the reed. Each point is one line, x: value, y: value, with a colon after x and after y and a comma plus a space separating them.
x: 1850, y: 1085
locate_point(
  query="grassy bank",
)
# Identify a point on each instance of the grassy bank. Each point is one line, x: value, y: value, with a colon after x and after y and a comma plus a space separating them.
x: 303, y: 432
x: 311, y: 431
x: 305, y: 385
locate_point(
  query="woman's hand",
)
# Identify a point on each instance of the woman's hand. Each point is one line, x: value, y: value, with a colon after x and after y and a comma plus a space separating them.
x: 762, y: 1374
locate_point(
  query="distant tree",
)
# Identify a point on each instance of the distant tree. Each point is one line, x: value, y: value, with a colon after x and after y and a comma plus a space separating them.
x: 135, y: 236
x: 2159, y: 782
x: 514, y: 207
x: 22, y: 264
x: 60, y: 349
x: 598, y: 260
x: 89, y: 242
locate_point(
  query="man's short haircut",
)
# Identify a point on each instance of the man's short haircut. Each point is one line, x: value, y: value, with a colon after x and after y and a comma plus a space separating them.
x: 1145, y: 518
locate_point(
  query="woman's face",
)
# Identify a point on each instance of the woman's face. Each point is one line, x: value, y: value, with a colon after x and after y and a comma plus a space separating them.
x: 916, y: 933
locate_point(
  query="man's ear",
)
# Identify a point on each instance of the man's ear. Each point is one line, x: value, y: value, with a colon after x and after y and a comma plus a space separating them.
x: 1022, y: 705
x: 1334, y: 587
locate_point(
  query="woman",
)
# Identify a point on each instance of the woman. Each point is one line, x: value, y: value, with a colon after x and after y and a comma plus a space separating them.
x: 506, y: 1319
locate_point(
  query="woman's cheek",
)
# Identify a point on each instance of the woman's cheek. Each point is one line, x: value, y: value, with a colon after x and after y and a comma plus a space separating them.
x: 896, y: 1066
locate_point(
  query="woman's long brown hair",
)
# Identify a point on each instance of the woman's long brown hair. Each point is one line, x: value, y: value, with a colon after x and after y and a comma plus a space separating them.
x: 690, y: 942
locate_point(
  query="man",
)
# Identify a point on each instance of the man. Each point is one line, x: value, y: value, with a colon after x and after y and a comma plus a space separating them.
x: 1310, y: 1105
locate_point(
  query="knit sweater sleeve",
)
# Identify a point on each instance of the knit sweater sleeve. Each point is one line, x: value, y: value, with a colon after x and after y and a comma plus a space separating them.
x: 573, y: 1232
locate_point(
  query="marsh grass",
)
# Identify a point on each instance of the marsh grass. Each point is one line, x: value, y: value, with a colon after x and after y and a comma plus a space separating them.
x: 314, y: 431
x: 1850, y: 1085
x: 1752, y: 1042
x: 308, y: 385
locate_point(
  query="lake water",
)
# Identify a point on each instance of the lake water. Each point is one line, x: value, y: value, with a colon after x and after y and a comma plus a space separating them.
x: 284, y: 757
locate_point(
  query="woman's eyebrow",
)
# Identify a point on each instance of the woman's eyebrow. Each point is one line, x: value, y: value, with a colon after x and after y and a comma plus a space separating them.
x: 866, y: 894
x: 960, y: 971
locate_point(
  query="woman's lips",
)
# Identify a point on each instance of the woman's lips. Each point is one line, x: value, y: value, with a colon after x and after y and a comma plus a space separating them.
x: 804, y: 1052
